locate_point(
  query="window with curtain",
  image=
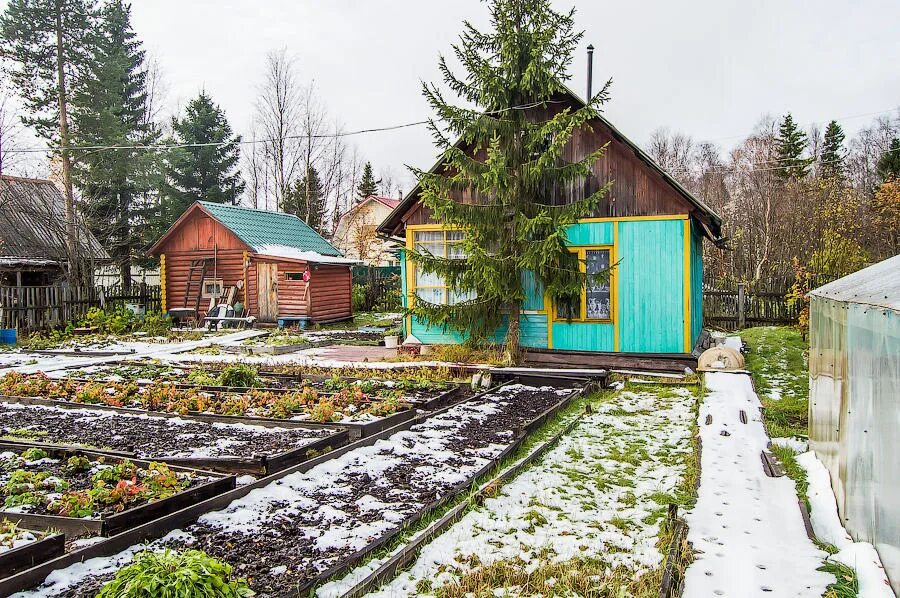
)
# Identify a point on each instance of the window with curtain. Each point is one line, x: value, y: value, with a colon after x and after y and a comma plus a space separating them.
x: 432, y: 287
x: 595, y: 302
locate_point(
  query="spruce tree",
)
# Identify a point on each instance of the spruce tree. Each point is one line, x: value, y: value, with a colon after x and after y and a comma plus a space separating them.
x: 888, y: 166
x: 514, y: 75
x: 47, y: 44
x: 110, y: 110
x: 833, y: 156
x: 199, y: 171
x: 368, y: 185
x: 790, y: 144
x: 306, y: 200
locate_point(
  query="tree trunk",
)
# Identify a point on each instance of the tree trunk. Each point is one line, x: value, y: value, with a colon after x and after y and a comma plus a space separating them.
x: 71, y: 241
x: 511, y: 353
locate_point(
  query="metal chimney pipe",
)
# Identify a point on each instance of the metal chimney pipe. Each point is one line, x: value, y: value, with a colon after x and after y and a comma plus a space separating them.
x: 590, y: 73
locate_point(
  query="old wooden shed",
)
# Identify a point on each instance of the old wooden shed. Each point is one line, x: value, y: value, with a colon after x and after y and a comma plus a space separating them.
x: 649, y: 230
x: 280, y: 267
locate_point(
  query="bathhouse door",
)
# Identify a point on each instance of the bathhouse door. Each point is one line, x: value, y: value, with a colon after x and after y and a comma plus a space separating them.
x: 267, y: 289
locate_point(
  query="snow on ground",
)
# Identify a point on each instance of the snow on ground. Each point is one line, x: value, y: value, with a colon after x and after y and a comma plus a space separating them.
x: 49, y: 363
x: 600, y: 493
x: 861, y: 556
x: 434, y: 455
x: 746, y: 527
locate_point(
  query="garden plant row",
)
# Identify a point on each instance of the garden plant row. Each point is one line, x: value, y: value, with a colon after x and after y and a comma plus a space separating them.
x: 290, y: 531
x: 54, y: 499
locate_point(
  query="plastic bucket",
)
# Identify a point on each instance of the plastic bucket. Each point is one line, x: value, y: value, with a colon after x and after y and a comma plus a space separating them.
x: 390, y: 342
x: 7, y: 336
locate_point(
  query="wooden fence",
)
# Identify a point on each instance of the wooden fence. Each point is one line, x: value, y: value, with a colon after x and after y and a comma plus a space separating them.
x: 380, y: 287
x: 30, y: 309
x: 732, y: 306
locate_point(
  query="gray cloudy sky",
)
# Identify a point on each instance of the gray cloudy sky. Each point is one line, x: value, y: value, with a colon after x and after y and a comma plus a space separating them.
x: 710, y: 68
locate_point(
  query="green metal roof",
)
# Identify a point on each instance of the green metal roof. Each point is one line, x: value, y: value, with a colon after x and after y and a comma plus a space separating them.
x: 261, y: 228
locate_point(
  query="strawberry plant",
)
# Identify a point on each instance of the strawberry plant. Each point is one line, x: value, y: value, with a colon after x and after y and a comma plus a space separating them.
x: 78, y: 503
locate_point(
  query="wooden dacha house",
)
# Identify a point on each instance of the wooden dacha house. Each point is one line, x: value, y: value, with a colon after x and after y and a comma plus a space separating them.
x: 649, y: 229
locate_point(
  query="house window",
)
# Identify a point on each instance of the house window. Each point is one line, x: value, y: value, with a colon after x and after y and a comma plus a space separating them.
x: 293, y: 276
x: 596, y: 301
x: 212, y: 287
x: 432, y: 287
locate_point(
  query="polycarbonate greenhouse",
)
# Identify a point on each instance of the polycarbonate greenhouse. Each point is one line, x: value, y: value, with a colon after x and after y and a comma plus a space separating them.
x: 854, y: 407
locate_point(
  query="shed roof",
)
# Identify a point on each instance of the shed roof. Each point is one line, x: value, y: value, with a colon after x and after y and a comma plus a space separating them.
x: 260, y: 229
x: 877, y: 285
x: 33, y: 224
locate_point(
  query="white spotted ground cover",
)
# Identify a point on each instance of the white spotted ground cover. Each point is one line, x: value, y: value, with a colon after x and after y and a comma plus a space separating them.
x: 599, y: 495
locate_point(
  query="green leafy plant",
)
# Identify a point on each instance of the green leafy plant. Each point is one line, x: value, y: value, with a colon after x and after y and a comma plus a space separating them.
x: 34, y: 454
x: 187, y: 574
x: 156, y: 324
x: 78, y: 464
x: 240, y: 375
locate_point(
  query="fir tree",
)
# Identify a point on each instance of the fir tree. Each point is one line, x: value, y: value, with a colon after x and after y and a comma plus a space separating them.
x: 110, y: 109
x: 47, y: 44
x: 833, y: 155
x: 306, y: 200
x: 201, y: 172
x: 514, y: 74
x: 888, y: 166
x: 790, y: 143
x: 368, y: 185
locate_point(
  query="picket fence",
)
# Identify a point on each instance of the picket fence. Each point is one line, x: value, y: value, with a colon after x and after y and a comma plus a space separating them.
x: 30, y: 309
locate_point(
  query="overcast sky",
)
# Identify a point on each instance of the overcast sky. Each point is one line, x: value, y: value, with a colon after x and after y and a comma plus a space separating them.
x: 710, y: 68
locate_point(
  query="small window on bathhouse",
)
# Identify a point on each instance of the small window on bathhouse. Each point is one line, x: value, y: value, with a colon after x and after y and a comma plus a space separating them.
x: 212, y: 287
x: 293, y: 276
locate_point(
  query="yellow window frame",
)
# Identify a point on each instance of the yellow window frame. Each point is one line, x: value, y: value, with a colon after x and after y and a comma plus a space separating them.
x: 411, y: 231
x: 581, y: 252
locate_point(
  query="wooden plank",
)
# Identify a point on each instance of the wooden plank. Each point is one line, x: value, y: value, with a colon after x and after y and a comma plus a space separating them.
x: 35, y: 553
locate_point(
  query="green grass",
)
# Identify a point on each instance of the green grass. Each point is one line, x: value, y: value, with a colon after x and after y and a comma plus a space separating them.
x: 778, y: 359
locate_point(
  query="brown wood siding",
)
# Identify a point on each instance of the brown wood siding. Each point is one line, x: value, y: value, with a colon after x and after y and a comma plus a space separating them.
x: 638, y: 190
x: 331, y: 293
x: 228, y: 266
x: 293, y: 297
x: 198, y: 237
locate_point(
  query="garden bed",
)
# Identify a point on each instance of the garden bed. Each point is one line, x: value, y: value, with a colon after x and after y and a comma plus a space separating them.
x: 86, y: 493
x: 348, y: 406
x: 22, y: 549
x: 586, y: 519
x: 322, y: 518
x: 225, y: 447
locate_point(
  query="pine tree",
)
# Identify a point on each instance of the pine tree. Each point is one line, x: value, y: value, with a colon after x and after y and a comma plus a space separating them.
x: 201, y: 172
x: 368, y: 185
x: 833, y: 156
x: 306, y: 200
x: 110, y: 110
x: 48, y: 44
x: 888, y: 166
x: 790, y: 143
x: 513, y: 74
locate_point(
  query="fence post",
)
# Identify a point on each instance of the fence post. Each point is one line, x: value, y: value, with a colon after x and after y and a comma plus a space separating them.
x: 741, y: 315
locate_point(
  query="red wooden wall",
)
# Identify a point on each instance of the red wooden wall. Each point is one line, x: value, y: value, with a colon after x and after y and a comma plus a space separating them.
x: 199, y: 236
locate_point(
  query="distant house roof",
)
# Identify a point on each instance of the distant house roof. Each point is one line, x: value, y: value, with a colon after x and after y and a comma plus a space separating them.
x: 877, y: 285
x: 388, y: 201
x: 33, y: 225
x: 715, y: 221
x: 262, y: 230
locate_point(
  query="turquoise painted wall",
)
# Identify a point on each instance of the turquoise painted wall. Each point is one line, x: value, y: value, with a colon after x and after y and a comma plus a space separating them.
x: 651, y: 286
x: 584, y: 336
x: 590, y: 233
x: 650, y: 283
x: 696, y: 283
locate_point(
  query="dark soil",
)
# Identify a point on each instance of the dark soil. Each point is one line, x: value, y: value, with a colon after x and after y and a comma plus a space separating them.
x: 407, y: 472
x: 149, y: 437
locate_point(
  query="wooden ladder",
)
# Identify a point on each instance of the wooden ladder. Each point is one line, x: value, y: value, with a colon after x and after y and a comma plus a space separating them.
x: 196, y: 273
